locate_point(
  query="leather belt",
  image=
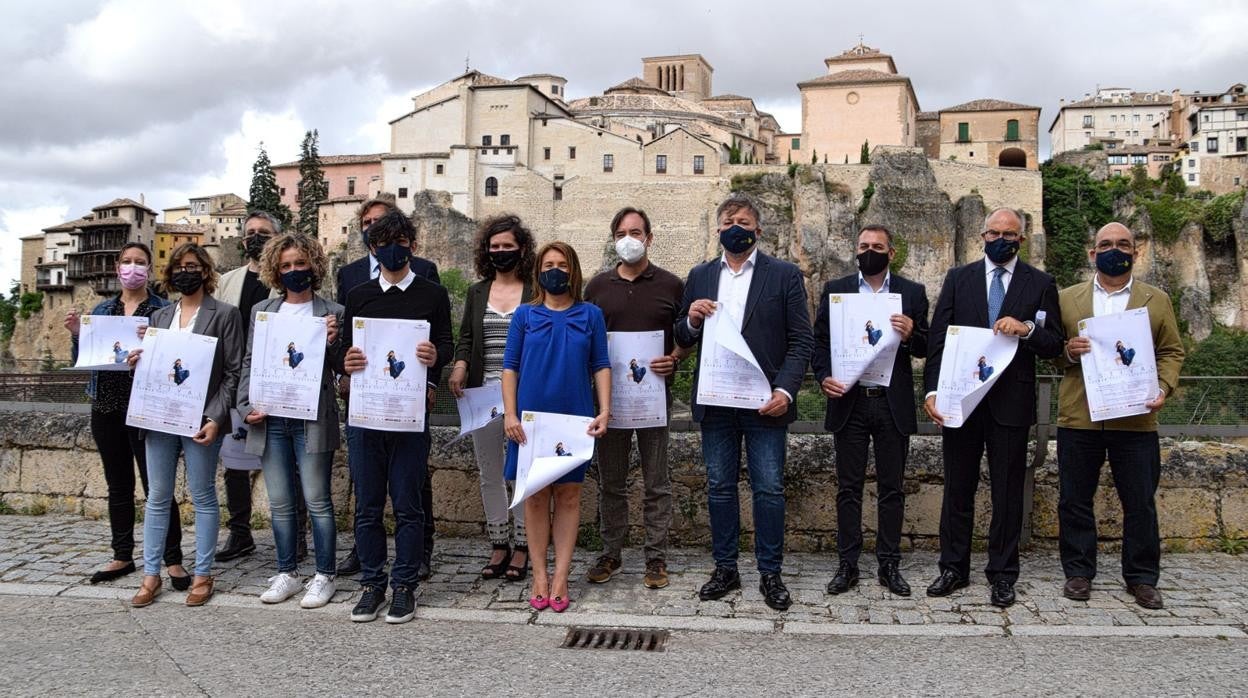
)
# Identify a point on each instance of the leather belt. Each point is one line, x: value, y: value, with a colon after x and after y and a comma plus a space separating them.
x: 874, y: 391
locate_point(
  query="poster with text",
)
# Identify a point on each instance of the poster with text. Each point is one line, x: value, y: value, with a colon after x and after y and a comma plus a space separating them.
x: 863, y: 341
x: 171, y: 382
x: 554, y: 445
x: 1120, y: 373
x: 287, y: 363
x: 728, y: 373
x: 104, y: 341
x: 389, y: 393
x: 638, y: 396
x: 478, y: 408
x: 973, y: 359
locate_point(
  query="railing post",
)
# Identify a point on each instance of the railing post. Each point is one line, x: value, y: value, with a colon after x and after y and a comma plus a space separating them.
x: 1044, y: 397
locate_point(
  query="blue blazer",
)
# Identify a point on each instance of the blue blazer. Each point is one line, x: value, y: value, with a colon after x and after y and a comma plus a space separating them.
x: 776, y: 325
x: 351, y: 275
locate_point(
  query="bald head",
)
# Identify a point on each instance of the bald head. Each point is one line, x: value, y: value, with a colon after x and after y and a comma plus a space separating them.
x: 1004, y: 219
x: 1113, y: 231
x: 1113, y: 236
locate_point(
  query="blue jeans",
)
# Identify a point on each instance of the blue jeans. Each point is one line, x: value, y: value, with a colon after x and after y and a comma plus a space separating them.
x: 284, y: 452
x: 201, y: 478
x: 722, y: 431
x: 396, y: 462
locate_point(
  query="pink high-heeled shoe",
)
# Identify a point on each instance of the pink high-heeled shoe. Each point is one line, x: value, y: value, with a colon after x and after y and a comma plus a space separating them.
x: 559, y: 604
x: 540, y: 603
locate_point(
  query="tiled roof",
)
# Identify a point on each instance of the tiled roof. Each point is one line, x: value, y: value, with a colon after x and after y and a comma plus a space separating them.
x: 349, y: 199
x: 725, y: 97
x: 859, y: 51
x: 405, y: 156
x: 989, y: 105
x: 111, y: 220
x: 855, y: 77
x: 339, y: 160
x: 1136, y: 99
x: 69, y: 225
x: 182, y: 228
x: 634, y: 84
x: 120, y: 203
x: 927, y: 116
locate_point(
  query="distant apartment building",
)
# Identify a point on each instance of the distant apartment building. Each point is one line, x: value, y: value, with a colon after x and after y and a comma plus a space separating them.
x: 1114, y: 117
x: 170, y: 235
x: 991, y: 133
x: 1214, y: 146
x: 98, y: 238
x: 345, y: 175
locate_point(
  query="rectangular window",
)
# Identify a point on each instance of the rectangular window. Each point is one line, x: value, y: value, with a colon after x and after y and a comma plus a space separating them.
x: 402, y: 192
x: 351, y: 186
x: 608, y: 163
x: 1087, y: 121
x: 487, y: 140
x: 558, y: 196
x: 1011, y: 130
x: 545, y: 153
x: 571, y: 152
x: 1113, y: 118
x: 699, y: 164
x: 1135, y: 118
x: 660, y: 164
x: 1191, y: 177
x: 504, y: 139
x: 964, y: 132
x: 795, y: 144
x: 1113, y: 134
x: 1191, y: 163
x: 1211, y: 145
x: 439, y: 169
x: 1241, y: 144
x: 1195, y: 146
x: 1139, y: 159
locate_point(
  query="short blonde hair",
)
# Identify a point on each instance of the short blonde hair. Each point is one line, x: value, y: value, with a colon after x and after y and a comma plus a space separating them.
x: 270, y: 262
x: 201, y: 256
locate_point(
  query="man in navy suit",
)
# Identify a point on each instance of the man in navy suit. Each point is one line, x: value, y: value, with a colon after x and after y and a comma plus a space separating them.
x: 860, y: 414
x: 349, y: 276
x: 764, y: 298
x: 1012, y: 297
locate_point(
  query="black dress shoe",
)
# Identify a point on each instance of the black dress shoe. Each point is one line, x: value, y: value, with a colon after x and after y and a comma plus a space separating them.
x: 775, y: 593
x: 947, y: 583
x: 723, y: 580
x: 1002, y: 594
x: 180, y: 583
x: 1077, y: 589
x: 110, y: 575
x: 351, y: 565
x: 1146, y: 595
x: 890, y: 576
x: 846, y: 578
x: 236, y: 547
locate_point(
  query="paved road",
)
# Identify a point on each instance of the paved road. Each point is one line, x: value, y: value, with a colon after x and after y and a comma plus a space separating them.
x: 73, y: 646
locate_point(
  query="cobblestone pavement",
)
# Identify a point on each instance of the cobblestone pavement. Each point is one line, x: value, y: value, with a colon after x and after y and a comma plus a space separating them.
x: 1206, y: 594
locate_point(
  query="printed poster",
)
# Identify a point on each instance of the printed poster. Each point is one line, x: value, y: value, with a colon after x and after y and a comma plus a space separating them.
x: 389, y: 393
x: 171, y: 382
x: 973, y: 359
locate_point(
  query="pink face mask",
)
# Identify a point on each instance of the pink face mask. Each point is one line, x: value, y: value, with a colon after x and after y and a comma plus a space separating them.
x: 132, y: 276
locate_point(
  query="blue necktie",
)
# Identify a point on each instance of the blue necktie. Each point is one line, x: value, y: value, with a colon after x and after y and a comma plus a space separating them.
x: 996, y: 295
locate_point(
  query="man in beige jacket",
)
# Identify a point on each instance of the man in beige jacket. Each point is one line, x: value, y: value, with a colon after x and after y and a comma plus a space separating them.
x: 1130, y: 442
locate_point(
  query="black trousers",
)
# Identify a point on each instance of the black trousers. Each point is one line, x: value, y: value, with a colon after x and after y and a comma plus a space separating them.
x: 121, y: 451
x: 1135, y: 462
x: 238, y: 501
x: 870, y: 421
x: 1007, y: 467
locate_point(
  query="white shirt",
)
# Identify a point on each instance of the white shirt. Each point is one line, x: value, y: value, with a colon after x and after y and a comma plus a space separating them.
x: 864, y: 287
x: 374, y: 267
x: 1107, y: 303
x: 297, y: 309
x: 1005, y: 278
x: 176, y: 325
x: 734, y: 287
x: 403, y: 283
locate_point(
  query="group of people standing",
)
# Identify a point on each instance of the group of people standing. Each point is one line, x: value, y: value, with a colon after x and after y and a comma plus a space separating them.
x: 535, y: 327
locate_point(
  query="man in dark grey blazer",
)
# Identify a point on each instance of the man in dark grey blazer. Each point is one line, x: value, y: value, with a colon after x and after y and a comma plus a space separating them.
x: 1011, y: 297
x: 860, y: 414
x: 765, y: 299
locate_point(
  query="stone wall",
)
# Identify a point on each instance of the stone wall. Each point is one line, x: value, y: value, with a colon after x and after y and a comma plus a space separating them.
x: 1203, y: 495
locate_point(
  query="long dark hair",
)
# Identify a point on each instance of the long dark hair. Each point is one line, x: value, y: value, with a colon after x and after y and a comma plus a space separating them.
x: 502, y: 224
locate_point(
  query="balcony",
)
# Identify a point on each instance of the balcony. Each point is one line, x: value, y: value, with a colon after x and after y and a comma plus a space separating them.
x: 106, y: 285
x: 52, y: 279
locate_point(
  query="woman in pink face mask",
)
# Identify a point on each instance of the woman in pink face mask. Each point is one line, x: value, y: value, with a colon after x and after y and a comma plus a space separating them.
x: 120, y: 448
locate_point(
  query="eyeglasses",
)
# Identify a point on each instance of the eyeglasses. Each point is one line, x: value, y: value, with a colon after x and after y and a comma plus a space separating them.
x: 193, y: 268
x: 1011, y: 235
x: 1124, y: 245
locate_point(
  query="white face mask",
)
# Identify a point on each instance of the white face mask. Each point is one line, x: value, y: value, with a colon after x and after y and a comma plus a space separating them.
x: 630, y: 249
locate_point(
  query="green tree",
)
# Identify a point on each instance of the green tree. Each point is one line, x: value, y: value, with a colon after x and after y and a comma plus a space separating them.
x: 1074, y: 205
x: 265, y: 195
x: 313, y: 189
x: 864, y: 157
x: 814, y: 156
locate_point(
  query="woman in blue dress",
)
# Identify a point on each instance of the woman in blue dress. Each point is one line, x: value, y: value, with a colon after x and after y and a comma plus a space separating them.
x: 556, y: 348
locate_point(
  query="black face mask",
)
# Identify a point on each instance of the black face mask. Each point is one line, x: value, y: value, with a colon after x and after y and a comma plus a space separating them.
x: 254, y: 244
x: 505, y: 260
x: 872, y: 262
x: 187, y: 282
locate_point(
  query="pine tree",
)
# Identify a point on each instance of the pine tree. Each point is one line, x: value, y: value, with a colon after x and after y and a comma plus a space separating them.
x: 313, y: 189
x: 734, y: 154
x: 864, y: 157
x: 265, y: 195
x: 814, y: 157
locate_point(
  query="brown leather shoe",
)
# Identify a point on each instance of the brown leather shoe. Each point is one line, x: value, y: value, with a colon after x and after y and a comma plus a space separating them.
x: 656, y: 574
x: 148, y: 591
x: 201, y: 591
x: 603, y: 569
x: 1146, y: 595
x: 1077, y: 589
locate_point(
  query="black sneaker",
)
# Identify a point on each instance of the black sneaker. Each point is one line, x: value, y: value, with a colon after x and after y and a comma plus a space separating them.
x: 369, y: 605
x: 402, y: 605
x: 350, y: 566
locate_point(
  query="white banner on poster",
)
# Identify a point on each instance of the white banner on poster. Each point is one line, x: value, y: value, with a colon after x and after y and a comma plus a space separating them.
x: 863, y: 341
x: 1120, y: 373
x: 973, y: 359
x: 171, y: 382
x: 287, y: 363
x: 104, y: 341
x: 554, y: 445
x: 478, y: 408
x: 728, y: 373
x: 638, y: 396
x: 389, y: 394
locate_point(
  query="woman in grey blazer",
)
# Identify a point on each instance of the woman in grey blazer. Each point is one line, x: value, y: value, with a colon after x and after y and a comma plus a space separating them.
x: 296, y: 265
x: 190, y: 272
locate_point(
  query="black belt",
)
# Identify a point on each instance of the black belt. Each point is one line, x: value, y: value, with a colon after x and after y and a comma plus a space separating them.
x: 873, y: 391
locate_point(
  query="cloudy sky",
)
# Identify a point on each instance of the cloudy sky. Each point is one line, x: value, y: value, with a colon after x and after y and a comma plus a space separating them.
x: 169, y: 99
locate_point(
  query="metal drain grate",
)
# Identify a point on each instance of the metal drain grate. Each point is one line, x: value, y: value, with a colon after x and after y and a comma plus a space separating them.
x: 615, y: 639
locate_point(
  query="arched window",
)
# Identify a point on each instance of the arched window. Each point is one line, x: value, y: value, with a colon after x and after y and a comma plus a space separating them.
x: 491, y: 186
x: 1012, y: 157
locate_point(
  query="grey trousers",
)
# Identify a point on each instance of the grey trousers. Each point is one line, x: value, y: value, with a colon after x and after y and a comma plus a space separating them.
x: 614, y: 454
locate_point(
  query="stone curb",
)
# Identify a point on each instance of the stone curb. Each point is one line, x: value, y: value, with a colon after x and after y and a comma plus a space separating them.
x: 933, y: 630
x: 1127, y: 631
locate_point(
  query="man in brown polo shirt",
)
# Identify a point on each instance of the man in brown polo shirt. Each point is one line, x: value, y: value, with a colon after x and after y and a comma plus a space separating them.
x: 636, y: 296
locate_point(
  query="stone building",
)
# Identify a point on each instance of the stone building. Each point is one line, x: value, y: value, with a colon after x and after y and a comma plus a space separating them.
x: 170, y: 235
x: 992, y: 133
x: 1154, y: 157
x: 345, y: 175
x: 861, y: 99
x: 337, y: 221
x: 98, y: 241
x: 1113, y: 117
x: 1214, y: 138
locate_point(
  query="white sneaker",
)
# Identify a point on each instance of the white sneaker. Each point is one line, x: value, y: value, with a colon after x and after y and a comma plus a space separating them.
x: 320, y: 591
x: 281, y: 587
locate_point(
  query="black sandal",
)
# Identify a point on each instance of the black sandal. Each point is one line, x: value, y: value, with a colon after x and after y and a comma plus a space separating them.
x: 495, y: 570
x: 517, y: 574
